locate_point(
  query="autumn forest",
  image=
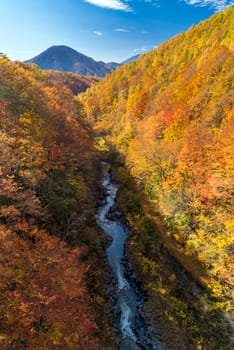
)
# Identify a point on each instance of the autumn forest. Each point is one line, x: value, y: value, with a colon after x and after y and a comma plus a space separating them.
x: 165, y: 125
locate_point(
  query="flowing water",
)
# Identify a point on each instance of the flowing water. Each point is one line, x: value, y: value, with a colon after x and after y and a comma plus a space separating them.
x: 134, y: 333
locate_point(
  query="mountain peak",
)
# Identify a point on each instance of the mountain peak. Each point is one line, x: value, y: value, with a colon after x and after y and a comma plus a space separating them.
x: 66, y: 59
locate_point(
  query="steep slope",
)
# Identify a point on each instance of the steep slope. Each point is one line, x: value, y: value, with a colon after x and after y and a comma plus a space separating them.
x: 49, y: 244
x: 169, y: 115
x: 63, y: 58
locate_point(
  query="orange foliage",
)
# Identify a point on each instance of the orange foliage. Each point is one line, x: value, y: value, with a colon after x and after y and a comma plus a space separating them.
x: 46, y: 158
x: 170, y: 115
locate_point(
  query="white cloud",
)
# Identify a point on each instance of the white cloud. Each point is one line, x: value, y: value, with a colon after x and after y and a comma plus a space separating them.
x: 97, y: 33
x: 152, y: 2
x: 121, y: 30
x: 218, y: 5
x: 111, y: 4
x: 143, y: 49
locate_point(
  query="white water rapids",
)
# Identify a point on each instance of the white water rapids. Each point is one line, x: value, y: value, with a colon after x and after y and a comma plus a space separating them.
x: 134, y: 332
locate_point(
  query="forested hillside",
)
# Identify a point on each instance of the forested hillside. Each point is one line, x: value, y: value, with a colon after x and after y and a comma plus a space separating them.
x: 165, y: 123
x: 48, y: 190
x: 169, y: 116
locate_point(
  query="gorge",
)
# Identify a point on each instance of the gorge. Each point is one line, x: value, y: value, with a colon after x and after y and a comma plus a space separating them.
x: 150, y: 265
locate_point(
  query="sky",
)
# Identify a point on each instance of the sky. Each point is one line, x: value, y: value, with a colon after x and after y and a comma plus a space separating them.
x: 106, y: 30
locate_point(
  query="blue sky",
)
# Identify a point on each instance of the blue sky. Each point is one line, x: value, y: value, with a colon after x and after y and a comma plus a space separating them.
x: 108, y: 30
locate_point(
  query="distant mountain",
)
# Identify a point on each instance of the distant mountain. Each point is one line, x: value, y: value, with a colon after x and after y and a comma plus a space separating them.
x: 65, y: 59
x: 131, y: 59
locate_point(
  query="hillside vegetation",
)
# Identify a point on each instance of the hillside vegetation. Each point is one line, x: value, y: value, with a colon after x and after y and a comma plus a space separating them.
x: 49, y: 245
x: 169, y: 116
x: 166, y: 121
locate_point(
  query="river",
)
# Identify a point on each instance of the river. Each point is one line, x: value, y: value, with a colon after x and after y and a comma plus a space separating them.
x: 133, y: 332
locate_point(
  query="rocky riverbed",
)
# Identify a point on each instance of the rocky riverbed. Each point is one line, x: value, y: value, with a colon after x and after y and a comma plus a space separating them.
x: 133, y: 332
